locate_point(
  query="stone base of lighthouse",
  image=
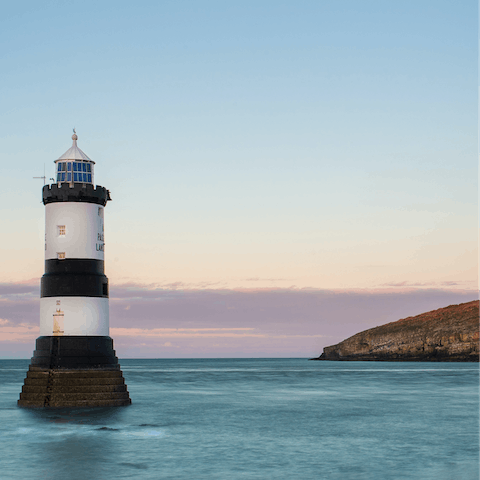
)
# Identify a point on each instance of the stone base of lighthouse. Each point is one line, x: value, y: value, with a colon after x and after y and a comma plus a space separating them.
x: 74, y: 371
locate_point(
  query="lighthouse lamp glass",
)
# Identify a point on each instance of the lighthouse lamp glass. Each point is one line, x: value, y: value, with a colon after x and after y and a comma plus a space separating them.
x: 75, y: 171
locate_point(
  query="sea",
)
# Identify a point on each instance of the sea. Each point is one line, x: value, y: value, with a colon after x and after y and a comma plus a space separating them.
x: 254, y: 419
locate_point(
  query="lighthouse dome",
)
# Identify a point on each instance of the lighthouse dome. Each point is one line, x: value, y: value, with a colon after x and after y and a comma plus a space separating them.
x: 74, y: 166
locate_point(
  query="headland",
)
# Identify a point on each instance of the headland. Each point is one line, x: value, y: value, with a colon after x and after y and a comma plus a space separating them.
x: 449, y: 334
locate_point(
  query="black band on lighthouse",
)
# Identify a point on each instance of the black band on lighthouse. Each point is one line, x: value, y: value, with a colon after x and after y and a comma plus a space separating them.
x: 73, y: 285
x: 77, y: 192
x: 74, y: 352
x: 75, y: 265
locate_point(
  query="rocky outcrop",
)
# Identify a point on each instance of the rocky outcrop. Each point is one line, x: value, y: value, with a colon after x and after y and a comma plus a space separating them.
x: 448, y: 334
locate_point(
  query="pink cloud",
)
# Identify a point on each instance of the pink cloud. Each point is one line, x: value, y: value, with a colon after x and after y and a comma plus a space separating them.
x: 148, y: 321
x: 22, y: 333
x: 406, y: 283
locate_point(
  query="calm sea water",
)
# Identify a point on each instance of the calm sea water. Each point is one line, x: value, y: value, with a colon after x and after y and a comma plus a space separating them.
x: 255, y: 418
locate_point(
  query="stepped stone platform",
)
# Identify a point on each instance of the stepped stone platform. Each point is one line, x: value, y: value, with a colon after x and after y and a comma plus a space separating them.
x: 74, y: 372
x: 73, y: 388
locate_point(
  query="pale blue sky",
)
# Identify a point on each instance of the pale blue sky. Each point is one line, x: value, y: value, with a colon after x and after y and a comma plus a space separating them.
x: 255, y: 123
x: 254, y: 144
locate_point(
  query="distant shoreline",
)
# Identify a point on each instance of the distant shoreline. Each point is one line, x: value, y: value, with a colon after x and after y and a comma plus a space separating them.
x: 449, y: 334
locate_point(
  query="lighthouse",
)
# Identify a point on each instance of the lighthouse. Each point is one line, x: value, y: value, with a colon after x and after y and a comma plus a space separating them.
x: 74, y: 363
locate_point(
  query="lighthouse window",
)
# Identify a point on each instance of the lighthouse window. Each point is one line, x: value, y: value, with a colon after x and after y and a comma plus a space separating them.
x: 84, y: 167
x: 69, y: 167
x: 61, y: 255
x: 89, y: 176
x: 74, y: 166
x: 89, y: 167
x: 84, y: 177
x: 63, y: 176
x: 59, y: 167
x: 75, y: 177
x: 69, y: 177
x: 61, y: 229
x: 59, y: 176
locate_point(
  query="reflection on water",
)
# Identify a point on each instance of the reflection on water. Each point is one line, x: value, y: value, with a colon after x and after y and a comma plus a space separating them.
x: 62, y: 444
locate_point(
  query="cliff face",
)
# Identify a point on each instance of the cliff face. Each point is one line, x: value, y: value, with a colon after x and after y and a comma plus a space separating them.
x: 448, y: 334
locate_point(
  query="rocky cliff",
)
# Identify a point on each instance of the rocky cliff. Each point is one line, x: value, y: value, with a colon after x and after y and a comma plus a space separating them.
x: 448, y: 334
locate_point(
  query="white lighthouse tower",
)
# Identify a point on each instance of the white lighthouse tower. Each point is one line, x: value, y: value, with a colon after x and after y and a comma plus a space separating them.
x: 74, y: 340
x: 74, y: 289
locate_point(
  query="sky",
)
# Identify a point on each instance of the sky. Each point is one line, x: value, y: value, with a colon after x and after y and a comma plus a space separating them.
x: 283, y: 174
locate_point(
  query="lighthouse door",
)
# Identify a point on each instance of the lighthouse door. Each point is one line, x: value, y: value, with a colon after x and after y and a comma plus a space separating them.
x: 58, y: 323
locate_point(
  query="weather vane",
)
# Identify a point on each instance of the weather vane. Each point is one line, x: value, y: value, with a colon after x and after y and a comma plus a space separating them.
x: 44, y: 177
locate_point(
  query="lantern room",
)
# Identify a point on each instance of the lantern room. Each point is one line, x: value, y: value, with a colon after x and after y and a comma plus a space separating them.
x: 74, y: 166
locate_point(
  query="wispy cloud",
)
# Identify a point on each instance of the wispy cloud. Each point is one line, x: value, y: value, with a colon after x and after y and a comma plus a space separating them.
x: 197, y: 332
x: 445, y: 284
x: 31, y: 288
x: 258, y: 279
x: 147, y: 320
x: 21, y: 333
